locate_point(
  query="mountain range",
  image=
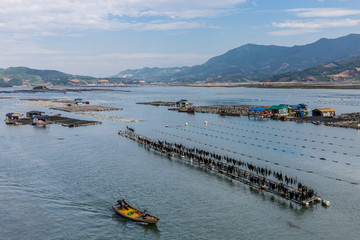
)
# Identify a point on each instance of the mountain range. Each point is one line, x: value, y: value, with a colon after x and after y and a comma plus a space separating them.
x: 23, y: 76
x: 322, y: 61
x: 253, y: 62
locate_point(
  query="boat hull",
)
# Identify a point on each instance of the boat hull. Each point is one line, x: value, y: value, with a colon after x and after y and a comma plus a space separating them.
x: 136, y: 215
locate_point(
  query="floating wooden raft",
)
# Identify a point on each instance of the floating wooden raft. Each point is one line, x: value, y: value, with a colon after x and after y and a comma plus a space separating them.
x: 64, y: 121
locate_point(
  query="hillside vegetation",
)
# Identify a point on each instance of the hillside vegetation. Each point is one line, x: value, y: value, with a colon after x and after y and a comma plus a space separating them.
x: 23, y: 76
x: 337, y: 71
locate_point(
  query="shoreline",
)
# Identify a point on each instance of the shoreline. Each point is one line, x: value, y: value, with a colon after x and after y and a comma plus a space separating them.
x: 281, y: 85
x: 320, y: 85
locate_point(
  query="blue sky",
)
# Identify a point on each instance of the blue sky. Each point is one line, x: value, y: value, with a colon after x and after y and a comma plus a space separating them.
x: 101, y: 38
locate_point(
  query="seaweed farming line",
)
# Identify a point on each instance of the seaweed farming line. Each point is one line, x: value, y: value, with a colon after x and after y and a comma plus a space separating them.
x: 286, y: 130
x: 285, y: 143
x: 268, y: 147
x: 297, y: 138
x: 270, y: 134
x: 252, y: 144
x: 263, y: 160
x: 254, y: 176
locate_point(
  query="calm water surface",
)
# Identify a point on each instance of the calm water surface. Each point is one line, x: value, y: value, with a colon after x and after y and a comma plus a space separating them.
x: 64, y: 189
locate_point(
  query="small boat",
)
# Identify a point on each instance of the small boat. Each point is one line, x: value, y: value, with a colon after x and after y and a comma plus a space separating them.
x: 187, y: 110
x: 127, y: 211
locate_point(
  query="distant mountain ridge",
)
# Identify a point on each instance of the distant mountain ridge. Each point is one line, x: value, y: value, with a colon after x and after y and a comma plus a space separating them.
x: 253, y: 62
x: 23, y: 76
x: 152, y: 74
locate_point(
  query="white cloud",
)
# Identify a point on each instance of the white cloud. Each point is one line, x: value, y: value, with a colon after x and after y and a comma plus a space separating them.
x: 317, y: 24
x: 292, y: 32
x: 317, y: 19
x: 38, y: 16
x: 324, y: 12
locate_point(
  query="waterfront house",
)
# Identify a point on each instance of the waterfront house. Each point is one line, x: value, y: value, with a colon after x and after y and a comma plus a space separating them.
x: 279, y: 110
x: 301, y: 113
x: 303, y: 106
x: 183, y: 103
x: 299, y: 110
x: 11, y: 117
x: 32, y: 114
x: 323, y: 112
x: 254, y: 111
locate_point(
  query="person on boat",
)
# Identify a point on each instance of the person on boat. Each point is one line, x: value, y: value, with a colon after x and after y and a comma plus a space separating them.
x: 122, y: 203
x: 144, y: 214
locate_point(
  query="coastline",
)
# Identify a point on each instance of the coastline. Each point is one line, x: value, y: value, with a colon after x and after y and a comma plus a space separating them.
x: 320, y: 85
x: 283, y: 85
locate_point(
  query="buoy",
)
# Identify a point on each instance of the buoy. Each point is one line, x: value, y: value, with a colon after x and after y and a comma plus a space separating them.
x: 205, y: 122
x: 326, y: 203
x: 186, y: 124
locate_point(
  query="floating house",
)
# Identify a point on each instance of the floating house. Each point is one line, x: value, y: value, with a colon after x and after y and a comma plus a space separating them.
x: 303, y: 106
x: 299, y: 110
x: 11, y: 117
x: 183, y: 103
x: 32, y: 114
x: 301, y: 113
x: 323, y: 112
x: 41, y: 119
x: 254, y: 111
x: 279, y: 110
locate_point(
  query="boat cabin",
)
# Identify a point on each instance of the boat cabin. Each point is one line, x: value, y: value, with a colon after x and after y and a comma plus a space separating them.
x: 323, y: 112
x: 183, y: 103
x: 32, y: 114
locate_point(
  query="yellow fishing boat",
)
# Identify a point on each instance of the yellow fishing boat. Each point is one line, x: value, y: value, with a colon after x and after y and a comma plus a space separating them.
x: 127, y: 211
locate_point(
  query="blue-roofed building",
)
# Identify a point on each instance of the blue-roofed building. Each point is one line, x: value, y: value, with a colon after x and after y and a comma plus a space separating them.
x: 257, y: 112
x: 183, y: 103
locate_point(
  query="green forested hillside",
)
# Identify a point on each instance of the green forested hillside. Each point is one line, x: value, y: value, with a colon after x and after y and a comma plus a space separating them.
x: 340, y: 71
x: 17, y: 76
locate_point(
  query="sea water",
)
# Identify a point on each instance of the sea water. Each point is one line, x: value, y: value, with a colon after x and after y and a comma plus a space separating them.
x: 60, y: 183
